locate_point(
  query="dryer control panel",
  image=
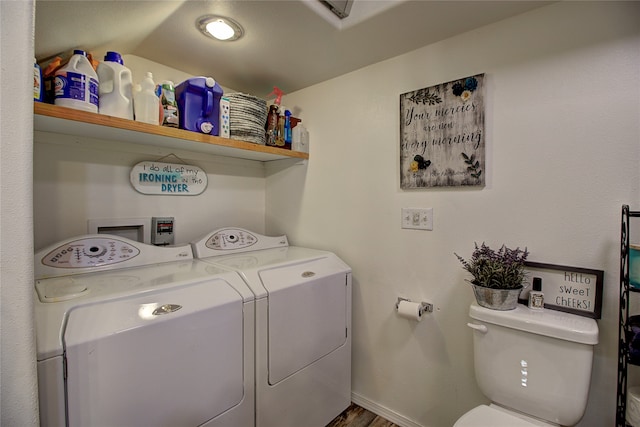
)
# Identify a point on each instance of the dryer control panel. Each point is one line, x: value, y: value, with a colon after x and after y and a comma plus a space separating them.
x: 90, y: 252
x: 232, y: 240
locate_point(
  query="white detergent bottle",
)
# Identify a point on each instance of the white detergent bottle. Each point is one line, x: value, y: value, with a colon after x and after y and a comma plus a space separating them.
x: 146, y: 103
x: 76, y: 84
x: 116, y: 87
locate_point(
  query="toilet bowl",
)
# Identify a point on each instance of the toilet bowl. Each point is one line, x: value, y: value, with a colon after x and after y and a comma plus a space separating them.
x: 534, y: 366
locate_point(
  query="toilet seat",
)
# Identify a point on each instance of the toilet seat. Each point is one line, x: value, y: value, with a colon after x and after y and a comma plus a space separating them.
x: 492, y: 416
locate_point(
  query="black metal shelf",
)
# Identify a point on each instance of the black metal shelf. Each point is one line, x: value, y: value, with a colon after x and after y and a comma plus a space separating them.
x: 624, y: 328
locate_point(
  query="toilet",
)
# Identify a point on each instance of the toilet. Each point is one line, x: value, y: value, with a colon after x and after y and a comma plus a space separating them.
x: 534, y: 366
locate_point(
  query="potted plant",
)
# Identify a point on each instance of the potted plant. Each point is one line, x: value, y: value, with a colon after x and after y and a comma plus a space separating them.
x: 497, y: 275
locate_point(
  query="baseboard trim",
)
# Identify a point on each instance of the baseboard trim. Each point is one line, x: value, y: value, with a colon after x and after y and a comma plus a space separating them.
x: 386, y: 413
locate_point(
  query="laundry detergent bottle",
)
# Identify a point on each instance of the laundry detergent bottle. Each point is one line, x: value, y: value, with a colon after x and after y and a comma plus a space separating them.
x: 169, y: 104
x: 49, y: 77
x: 38, y: 83
x: 116, y: 87
x: 199, y: 105
x: 146, y: 103
x: 76, y: 84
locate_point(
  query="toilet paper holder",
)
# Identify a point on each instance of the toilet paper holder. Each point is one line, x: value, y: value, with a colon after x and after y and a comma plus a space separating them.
x: 425, y: 307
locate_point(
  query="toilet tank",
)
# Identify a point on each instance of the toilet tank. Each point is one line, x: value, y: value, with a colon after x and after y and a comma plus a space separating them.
x: 537, y: 362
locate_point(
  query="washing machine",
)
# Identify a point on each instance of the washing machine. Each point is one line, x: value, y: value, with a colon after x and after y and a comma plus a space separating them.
x: 303, y: 324
x: 130, y: 334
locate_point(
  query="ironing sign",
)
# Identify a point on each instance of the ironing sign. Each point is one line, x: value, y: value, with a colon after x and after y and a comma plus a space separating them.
x: 169, y: 179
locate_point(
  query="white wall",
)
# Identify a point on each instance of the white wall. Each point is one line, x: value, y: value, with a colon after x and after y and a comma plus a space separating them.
x: 77, y: 179
x: 18, y: 392
x: 562, y: 128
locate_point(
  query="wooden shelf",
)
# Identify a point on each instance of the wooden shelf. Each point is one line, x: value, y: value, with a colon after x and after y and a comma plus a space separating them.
x: 67, y: 121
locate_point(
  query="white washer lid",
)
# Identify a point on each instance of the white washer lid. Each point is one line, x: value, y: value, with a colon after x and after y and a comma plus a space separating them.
x: 488, y: 416
x: 250, y: 264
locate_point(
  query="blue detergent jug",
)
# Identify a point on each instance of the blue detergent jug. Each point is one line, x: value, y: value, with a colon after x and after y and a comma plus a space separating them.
x: 199, y: 105
x: 76, y: 84
x: 38, y: 82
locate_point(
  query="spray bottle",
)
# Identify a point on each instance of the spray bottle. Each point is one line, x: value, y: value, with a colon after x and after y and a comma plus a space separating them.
x: 271, y: 126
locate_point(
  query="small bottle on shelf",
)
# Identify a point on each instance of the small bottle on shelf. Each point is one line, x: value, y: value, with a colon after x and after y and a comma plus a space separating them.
x: 536, y: 297
x: 146, y: 103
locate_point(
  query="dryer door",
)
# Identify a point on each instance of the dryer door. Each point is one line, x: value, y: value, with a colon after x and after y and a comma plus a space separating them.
x: 307, y: 314
x: 171, y: 357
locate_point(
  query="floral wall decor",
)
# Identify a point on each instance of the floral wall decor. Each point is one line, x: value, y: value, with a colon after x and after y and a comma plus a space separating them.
x: 442, y: 135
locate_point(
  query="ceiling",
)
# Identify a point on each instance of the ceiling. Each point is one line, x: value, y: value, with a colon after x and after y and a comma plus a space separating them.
x: 292, y: 44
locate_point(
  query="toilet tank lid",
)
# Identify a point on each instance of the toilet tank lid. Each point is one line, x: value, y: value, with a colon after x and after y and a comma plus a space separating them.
x: 555, y: 324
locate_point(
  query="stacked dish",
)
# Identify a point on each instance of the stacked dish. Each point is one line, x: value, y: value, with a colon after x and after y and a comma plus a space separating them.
x: 247, y: 117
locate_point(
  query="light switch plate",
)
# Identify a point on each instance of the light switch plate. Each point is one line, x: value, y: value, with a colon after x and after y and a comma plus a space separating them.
x: 417, y: 218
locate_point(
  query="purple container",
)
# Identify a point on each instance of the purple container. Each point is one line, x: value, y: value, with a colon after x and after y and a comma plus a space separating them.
x: 199, y: 105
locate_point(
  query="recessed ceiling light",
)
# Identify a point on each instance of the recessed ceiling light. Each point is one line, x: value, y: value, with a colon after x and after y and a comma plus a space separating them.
x: 220, y: 28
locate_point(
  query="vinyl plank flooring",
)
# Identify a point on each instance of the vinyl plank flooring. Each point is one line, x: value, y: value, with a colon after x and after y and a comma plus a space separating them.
x: 381, y: 422
x: 357, y: 416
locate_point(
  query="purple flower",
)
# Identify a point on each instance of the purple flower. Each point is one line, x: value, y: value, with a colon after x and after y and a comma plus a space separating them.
x: 503, y: 269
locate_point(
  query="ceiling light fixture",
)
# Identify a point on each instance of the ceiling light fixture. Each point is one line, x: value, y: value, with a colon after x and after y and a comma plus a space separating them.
x: 220, y: 28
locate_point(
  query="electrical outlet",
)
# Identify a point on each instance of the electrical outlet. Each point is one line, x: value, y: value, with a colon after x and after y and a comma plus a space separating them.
x: 162, y: 231
x: 417, y: 218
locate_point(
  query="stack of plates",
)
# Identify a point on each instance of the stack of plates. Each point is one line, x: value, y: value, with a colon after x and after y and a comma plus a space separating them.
x: 247, y: 117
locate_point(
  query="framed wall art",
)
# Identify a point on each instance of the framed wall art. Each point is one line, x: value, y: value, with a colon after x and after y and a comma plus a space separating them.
x: 573, y: 290
x: 442, y: 138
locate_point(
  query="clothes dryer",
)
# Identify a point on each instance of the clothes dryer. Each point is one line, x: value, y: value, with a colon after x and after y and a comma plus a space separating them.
x: 303, y: 324
x: 135, y: 335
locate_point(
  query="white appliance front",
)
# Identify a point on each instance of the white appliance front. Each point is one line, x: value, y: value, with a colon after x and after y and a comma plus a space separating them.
x: 163, y: 344
x: 303, y: 324
x: 307, y: 316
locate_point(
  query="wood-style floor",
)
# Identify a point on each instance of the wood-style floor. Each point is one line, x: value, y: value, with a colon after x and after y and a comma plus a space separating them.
x: 356, y: 416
